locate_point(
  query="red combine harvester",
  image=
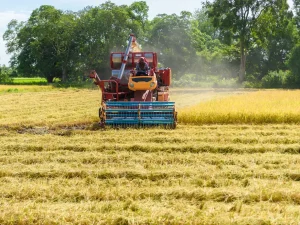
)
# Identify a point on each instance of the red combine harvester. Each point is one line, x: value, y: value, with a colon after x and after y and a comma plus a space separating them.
x: 133, y: 99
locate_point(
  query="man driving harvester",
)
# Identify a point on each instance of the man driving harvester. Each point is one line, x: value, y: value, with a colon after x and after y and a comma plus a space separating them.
x: 142, y: 67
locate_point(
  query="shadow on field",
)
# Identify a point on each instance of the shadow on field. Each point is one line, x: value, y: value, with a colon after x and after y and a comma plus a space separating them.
x: 59, y: 130
x: 66, y: 130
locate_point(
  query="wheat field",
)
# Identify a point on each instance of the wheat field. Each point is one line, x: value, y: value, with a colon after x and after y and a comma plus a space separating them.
x: 260, y: 107
x: 56, y: 167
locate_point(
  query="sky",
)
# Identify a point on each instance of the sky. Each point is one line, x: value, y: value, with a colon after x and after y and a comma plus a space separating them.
x: 21, y: 10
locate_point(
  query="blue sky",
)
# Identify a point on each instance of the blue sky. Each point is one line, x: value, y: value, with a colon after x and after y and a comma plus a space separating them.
x: 21, y: 9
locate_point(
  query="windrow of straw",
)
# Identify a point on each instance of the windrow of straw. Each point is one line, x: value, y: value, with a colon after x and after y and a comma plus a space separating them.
x: 261, y: 107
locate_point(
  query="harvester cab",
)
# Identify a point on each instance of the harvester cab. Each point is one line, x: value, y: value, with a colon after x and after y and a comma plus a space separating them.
x: 129, y: 99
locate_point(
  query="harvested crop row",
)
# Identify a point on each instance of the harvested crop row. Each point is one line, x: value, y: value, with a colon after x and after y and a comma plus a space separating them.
x: 56, y: 168
x: 151, y: 175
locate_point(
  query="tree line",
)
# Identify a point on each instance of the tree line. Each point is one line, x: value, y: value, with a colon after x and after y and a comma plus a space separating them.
x: 251, y: 41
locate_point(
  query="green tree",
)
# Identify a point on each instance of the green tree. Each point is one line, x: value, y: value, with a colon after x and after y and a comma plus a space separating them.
x: 138, y: 12
x: 276, y: 33
x: 19, y: 49
x: 5, y: 73
x: 171, y: 36
x: 235, y: 19
x: 296, y: 4
x: 106, y: 28
x: 43, y: 45
x: 53, y: 43
x: 294, y: 65
x: 203, y: 34
x: 274, y: 36
x: 213, y: 56
x: 204, y: 23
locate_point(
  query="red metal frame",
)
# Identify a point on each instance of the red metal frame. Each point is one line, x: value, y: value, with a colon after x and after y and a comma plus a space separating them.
x: 110, y: 95
x: 165, y: 75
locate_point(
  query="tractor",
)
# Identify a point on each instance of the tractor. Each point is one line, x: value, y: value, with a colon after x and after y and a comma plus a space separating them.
x: 132, y: 99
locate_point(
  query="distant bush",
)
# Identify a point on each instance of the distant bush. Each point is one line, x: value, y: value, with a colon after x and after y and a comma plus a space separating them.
x: 291, y: 81
x: 280, y: 79
x: 28, y: 81
x: 252, y: 84
x: 4, y: 75
x: 294, y: 65
x: 274, y: 79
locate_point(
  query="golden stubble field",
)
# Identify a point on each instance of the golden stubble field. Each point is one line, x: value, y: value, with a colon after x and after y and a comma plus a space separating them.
x: 56, y: 168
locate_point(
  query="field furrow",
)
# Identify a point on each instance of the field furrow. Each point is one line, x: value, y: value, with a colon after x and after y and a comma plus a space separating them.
x: 121, y: 174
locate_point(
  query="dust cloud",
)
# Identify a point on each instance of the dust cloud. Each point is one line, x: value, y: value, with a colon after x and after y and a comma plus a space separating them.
x: 185, y: 97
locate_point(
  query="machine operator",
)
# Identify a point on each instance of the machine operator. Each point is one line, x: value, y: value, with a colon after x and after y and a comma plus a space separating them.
x: 142, y: 67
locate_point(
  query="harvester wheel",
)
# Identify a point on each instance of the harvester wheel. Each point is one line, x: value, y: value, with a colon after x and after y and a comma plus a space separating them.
x: 100, y: 112
x: 101, y: 116
x: 102, y: 124
x: 174, y: 125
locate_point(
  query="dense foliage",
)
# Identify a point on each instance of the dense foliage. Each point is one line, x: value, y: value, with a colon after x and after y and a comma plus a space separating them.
x: 5, y: 73
x: 224, y: 40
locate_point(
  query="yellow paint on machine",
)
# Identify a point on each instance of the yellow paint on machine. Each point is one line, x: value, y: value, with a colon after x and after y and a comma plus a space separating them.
x: 142, y: 83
